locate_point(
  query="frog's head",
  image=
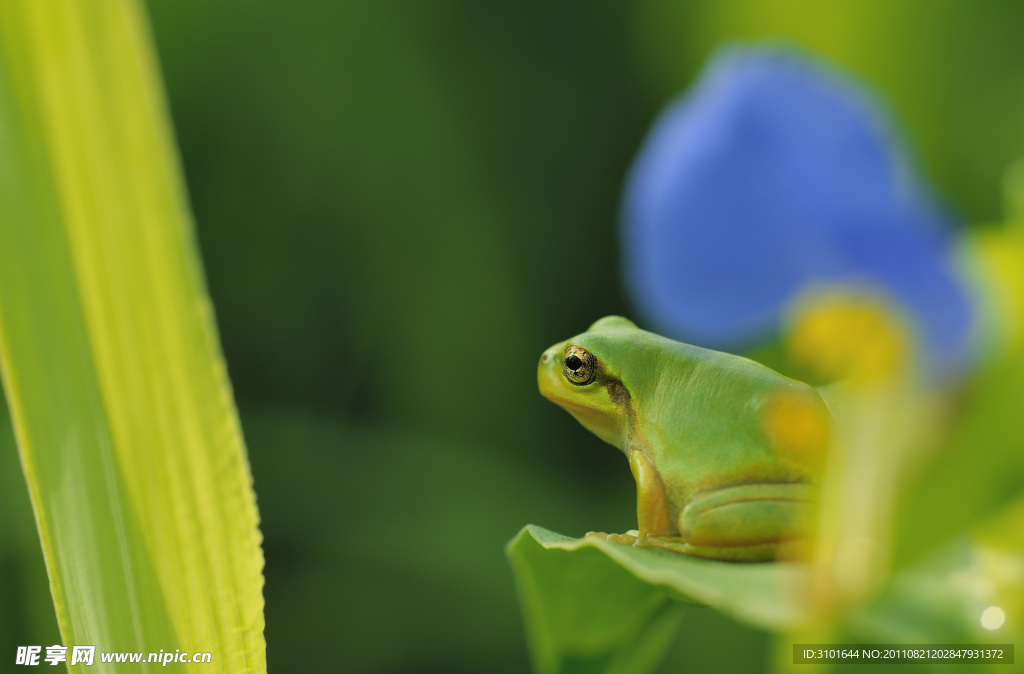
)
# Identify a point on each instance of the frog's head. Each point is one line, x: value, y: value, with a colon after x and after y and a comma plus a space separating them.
x: 584, y: 375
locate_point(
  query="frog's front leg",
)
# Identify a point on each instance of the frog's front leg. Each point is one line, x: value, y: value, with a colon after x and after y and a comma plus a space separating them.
x: 653, y: 522
x: 651, y: 505
x: 750, y: 522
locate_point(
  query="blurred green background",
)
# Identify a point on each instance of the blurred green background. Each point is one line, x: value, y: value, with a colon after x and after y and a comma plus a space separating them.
x: 400, y: 205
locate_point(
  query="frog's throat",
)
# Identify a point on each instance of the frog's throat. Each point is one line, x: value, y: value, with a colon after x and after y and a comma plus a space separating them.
x: 604, y: 423
x: 651, y: 506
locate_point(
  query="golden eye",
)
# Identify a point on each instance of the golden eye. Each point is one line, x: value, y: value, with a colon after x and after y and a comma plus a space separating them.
x: 578, y: 365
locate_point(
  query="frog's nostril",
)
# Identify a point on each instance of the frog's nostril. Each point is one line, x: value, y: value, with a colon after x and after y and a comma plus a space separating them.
x: 573, y: 362
x: 545, y: 358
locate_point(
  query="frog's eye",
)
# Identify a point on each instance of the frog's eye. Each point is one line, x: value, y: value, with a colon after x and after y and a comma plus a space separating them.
x: 578, y: 365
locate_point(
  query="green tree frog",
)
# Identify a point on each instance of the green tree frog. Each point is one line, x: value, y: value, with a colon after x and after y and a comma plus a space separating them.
x: 727, y: 454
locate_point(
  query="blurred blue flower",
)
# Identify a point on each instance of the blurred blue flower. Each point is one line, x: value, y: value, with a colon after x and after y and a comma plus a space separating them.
x: 774, y: 174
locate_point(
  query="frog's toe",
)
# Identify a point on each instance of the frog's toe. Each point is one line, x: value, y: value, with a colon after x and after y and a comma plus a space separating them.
x: 628, y: 538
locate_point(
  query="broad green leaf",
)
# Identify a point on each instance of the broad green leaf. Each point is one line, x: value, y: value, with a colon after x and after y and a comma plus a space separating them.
x: 607, y: 604
x: 122, y: 409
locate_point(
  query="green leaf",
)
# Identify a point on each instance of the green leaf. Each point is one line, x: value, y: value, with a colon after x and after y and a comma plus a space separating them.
x: 607, y: 604
x: 118, y: 393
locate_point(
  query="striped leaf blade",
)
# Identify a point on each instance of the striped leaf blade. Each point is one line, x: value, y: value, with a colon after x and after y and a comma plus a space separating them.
x: 125, y: 421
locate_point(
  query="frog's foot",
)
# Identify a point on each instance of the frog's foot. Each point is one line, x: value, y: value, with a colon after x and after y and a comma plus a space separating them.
x: 750, y: 522
x: 764, y: 552
x: 751, y: 553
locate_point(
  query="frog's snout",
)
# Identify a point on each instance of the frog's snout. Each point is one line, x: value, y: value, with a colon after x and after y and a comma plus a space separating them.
x: 550, y: 355
x: 548, y: 371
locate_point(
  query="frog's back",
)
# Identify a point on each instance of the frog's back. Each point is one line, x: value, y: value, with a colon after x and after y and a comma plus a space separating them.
x: 711, y: 421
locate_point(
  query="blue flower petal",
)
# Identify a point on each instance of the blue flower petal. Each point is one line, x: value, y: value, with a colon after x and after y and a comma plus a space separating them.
x: 773, y: 174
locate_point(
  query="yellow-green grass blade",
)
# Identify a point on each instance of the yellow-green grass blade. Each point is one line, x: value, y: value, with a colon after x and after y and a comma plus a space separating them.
x: 122, y: 409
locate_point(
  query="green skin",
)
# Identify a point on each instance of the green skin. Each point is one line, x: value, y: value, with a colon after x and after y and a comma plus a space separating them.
x: 716, y: 477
